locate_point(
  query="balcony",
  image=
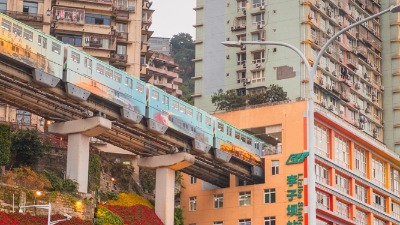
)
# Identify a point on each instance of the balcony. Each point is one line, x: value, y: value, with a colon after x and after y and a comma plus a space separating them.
x: 238, y: 27
x: 24, y: 16
x: 68, y: 15
x: 98, y: 42
x: 121, y: 13
x: 118, y: 59
x: 161, y: 72
x: 105, y: 2
x: 163, y: 84
x: 177, y: 80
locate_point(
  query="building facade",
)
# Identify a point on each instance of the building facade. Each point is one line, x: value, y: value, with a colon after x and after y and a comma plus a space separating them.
x: 160, y: 44
x: 352, y: 75
x: 357, y: 177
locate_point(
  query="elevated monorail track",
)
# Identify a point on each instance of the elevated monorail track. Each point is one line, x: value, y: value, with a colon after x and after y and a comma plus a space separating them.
x: 18, y: 89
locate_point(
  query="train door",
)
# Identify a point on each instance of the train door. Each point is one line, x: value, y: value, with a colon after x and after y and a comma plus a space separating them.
x: 87, y: 66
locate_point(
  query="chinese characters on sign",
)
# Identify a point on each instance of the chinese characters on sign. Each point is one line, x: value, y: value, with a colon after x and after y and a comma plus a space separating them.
x: 294, y: 192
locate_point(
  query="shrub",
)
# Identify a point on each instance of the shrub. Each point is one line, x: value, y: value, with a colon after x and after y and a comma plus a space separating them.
x: 129, y: 199
x: 105, y: 216
x: 59, y: 184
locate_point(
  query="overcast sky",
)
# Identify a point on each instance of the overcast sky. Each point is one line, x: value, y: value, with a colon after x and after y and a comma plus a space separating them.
x: 172, y: 17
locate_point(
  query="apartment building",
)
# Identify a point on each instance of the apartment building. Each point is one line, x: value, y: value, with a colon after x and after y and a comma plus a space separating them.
x: 160, y: 44
x: 352, y: 75
x: 357, y: 177
x: 163, y: 72
x: 115, y: 31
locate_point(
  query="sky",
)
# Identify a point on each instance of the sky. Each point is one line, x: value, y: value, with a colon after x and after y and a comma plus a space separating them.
x: 172, y: 17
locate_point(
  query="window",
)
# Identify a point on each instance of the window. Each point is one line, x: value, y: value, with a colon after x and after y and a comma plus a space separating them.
x: 28, y: 35
x: 5, y: 24
x: 192, y: 203
x: 322, y: 174
x: 56, y: 48
x: 88, y: 63
x: 379, y: 222
x: 342, y: 151
x: 323, y: 200
x: 361, y: 218
x: 270, y: 220
x: 395, y: 180
x: 17, y: 30
x: 175, y: 105
x: 275, y: 167
x: 221, y: 127
x: 75, y: 57
x: 218, y: 223
x: 379, y: 202
x: 97, y: 19
x: 193, y: 180
x: 121, y: 27
x: 229, y: 131
x: 3, y: 5
x: 342, y: 184
x: 218, y: 201
x: 208, y: 121
x: 361, y: 193
x: 241, y: 58
x: 117, y: 77
x: 342, y: 209
x: 258, y: 36
x: 108, y: 73
x: 244, y: 198
x: 396, y: 210
x: 165, y: 100
x: 42, y: 41
x: 258, y: 19
x: 269, y: 195
x: 182, y: 108
x: 321, y: 140
x: 257, y: 76
x: 189, y: 112
x: 360, y: 161
x: 199, y: 117
x: 258, y: 57
x: 23, y: 117
x: 30, y: 7
x: 121, y: 49
x: 75, y: 40
x: 258, y: 3
x: 378, y: 172
x: 245, y: 222
x: 140, y: 88
x: 154, y: 95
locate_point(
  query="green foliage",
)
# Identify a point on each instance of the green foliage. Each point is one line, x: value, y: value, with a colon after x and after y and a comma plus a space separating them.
x: 178, y: 216
x: 94, y: 171
x: 147, y: 179
x: 231, y: 100
x: 183, y: 51
x: 105, y: 196
x: 5, y: 145
x: 26, y: 147
x: 105, y: 216
x: 123, y: 175
x: 59, y: 184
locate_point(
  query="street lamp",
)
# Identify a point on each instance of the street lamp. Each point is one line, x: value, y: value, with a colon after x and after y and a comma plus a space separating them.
x: 311, y: 71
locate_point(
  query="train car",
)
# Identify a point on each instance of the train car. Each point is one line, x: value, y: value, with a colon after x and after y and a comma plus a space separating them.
x: 237, y: 143
x: 166, y: 111
x: 39, y: 51
x: 85, y: 75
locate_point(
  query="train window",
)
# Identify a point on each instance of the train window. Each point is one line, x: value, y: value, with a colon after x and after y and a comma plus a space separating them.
x: 221, y: 127
x: 237, y: 135
x: 100, y: 69
x: 165, y: 100
x: 128, y: 82
x: 6, y: 24
x: 28, y: 35
x: 75, y: 57
x: 117, y: 77
x: 175, y: 105
x: 257, y: 145
x: 140, y: 88
x: 249, y: 140
x: 208, y: 121
x: 182, y: 108
x: 88, y: 63
x: 189, y: 112
x: 109, y: 73
x: 199, y: 117
x: 243, y: 138
x: 229, y: 131
x: 56, y: 48
x: 17, y: 30
x: 154, y: 95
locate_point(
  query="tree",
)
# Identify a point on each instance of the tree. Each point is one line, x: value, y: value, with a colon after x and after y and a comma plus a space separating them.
x: 26, y: 148
x: 183, y: 51
x: 231, y: 100
x: 5, y: 145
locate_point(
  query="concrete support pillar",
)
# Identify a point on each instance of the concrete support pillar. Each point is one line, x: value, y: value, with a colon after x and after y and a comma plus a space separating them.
x: 79, y: 133
x: 165, y: 166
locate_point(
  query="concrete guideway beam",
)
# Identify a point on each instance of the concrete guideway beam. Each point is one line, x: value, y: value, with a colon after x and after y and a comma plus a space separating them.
x: 165, y: 166
x: 79, y: 133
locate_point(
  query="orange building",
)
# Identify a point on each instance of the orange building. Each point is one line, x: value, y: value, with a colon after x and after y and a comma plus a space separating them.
x: 357, y: 177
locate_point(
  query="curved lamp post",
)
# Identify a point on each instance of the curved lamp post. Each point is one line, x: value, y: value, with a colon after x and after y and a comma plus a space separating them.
x: 311, y: 71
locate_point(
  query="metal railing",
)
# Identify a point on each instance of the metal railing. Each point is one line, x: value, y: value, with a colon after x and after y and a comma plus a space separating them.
x: 23, y: 16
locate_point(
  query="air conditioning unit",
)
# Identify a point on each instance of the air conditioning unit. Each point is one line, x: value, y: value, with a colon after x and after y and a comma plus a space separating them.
x: 331, y: 107
x: 329, y: 87
x: 258, y: 65
x: 243, y: 47
x: 357, y: 86
x: 330, y: 49
x: 334, y: 73
x: 340, y: 23
x: 317, y: 4
x: 323, y: 104
x: 248, y: 80
x: 244, y: 65
x: 227, y: 56
x: 262, y: 7
x: 329, y: 31
x: 329, y: 12
x: 321, y: 81
x: 227, y: 39
x: 339, y: 38
x: 316, y: 41
x: 382, y: 88
x: 259, y: 26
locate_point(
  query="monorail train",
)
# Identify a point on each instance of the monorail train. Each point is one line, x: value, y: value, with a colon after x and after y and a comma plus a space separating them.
x: 84, y: 75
